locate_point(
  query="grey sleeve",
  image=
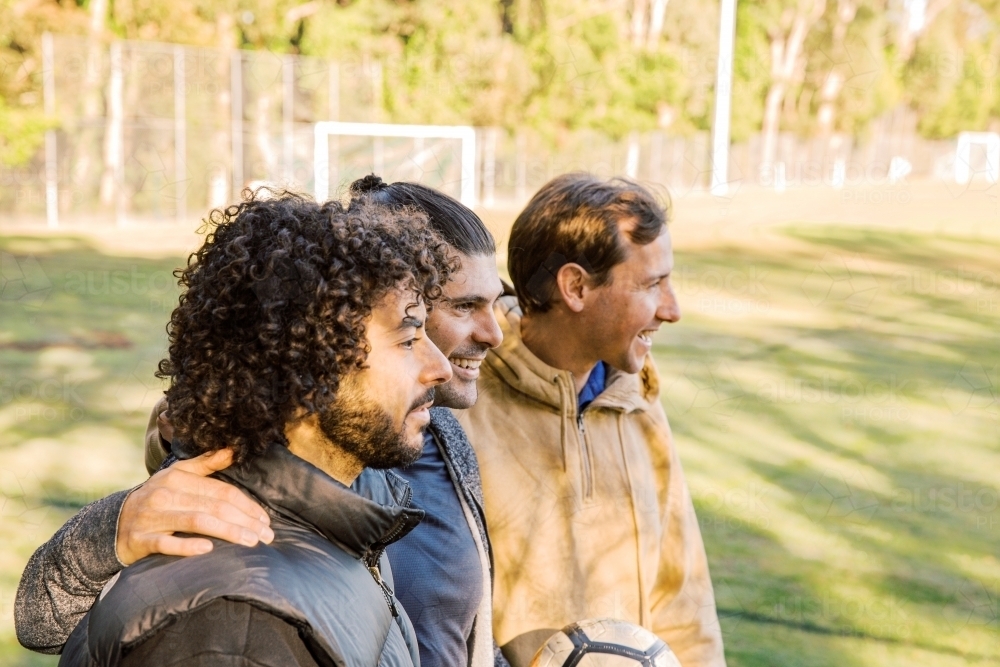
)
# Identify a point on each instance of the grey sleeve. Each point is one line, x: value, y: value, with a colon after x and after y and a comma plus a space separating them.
x: 498, y: 659
x: 65, y: 575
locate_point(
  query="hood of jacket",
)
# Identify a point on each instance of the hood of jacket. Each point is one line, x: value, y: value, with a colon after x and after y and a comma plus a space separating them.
x: 518, y: 366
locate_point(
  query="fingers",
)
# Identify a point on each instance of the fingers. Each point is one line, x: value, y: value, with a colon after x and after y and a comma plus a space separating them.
x: 164, y: 426
x: 180, y: 546
x: 183, y: 489
x: 181, y: 499
x: 209, y: 525
x: 206, y: 464
x: 225, y: 512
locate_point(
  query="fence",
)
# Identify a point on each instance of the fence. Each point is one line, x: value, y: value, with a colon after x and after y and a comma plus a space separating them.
x: 161, y: 132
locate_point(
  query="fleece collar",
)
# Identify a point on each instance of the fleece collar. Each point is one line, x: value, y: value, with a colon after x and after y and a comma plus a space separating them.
x: 518, y: 367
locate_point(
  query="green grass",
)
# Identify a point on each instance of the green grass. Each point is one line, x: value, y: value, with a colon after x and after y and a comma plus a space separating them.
x: 833, y: 392
x: 835, y: 398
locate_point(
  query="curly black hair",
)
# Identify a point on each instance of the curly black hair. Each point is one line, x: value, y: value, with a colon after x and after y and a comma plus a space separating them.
x: 274, y: 308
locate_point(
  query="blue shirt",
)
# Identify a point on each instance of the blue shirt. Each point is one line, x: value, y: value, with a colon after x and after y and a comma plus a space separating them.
x: 593, y: 388
x: 436, y: 568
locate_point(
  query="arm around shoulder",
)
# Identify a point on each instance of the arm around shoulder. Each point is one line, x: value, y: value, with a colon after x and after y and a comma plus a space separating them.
x: 66, y: 574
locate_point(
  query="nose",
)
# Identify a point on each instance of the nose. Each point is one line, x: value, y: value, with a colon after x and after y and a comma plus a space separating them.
x: 488, y: 329
x: 435, y: 368
x: 668, y: 310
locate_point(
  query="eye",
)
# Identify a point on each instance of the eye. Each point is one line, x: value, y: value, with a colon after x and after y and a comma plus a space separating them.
x: 408, y: 345
x: 465, y: 307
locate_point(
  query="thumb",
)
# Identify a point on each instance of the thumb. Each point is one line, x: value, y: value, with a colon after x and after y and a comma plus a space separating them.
x: 206, y: 464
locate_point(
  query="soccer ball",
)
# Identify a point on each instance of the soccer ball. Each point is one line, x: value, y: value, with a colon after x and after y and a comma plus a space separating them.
x: 604, y: 642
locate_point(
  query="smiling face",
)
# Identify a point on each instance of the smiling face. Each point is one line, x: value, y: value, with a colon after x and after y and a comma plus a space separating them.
x: 381, y: 411
x: 464, y: 326
x: 622, y: 315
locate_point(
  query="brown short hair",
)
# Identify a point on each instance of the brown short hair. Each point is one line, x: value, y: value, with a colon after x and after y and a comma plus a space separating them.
x: 576, y: 218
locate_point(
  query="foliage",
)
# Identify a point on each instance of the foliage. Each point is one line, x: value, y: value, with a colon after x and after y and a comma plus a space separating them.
x: 22, y: 131
x: 557, y: 65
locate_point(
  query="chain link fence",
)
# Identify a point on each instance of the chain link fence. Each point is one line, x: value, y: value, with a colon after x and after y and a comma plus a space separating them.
x: 161, y: 133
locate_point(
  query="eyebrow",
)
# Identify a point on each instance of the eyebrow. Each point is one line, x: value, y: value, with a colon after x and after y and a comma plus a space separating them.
x: 474, y: 298
x: 410, y: 322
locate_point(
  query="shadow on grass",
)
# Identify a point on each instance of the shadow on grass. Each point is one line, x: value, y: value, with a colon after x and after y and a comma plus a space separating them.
x: 80, y: 335
x: 857, y: 401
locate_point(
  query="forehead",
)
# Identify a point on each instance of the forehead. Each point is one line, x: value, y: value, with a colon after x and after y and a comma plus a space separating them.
x: 653, y: 259
x: 389, y: 312
x: 477, y: 276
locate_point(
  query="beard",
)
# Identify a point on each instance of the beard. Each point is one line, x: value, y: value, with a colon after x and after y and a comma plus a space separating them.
x: 363, y: 428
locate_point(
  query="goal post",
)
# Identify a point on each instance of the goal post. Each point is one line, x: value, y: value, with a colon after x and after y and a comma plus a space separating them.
x: 325, y: 129
x: 963, y: 168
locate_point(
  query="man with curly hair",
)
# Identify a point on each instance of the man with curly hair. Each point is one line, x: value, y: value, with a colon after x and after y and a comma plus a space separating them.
x: 443, y: 570
x: 299, y: 345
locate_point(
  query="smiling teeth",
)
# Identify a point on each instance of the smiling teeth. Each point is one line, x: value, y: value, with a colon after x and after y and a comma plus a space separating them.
x: 471, y: 364
x: 647, y: 336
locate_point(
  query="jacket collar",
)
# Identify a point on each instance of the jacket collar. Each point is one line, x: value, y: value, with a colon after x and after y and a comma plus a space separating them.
x: 361, y: 519
x: 518, y: 366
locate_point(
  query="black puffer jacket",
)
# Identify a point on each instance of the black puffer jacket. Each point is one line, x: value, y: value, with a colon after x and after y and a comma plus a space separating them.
x: 319, y: 573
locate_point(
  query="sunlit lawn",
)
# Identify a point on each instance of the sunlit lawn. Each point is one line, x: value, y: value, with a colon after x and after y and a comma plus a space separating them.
x: 833, y: 390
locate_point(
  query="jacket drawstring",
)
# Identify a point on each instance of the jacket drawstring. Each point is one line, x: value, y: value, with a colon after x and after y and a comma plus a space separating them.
x: 564, y: 418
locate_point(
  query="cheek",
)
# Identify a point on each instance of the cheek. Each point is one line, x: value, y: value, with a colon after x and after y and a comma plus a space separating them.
x: 446, y: 334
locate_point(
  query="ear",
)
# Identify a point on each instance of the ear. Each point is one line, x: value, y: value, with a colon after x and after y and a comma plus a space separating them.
x: 573, y: 282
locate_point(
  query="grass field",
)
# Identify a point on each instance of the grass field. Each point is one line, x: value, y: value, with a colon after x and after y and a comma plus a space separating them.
x: 833, y: 388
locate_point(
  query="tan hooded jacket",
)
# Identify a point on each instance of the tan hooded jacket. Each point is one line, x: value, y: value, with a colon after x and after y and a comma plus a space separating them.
x: 589, y: 515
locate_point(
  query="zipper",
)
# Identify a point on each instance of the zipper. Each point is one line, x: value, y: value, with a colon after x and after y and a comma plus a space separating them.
x: 588, y: 479
x: 375, y: 556
x: 386, y: 593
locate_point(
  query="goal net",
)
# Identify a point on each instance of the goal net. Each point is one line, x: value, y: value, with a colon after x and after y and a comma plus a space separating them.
x: 439, y: 156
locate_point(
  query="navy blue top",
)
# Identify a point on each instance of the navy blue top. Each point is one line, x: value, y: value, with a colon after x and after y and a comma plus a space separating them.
x: 436, y: 568
x: 593, y: 388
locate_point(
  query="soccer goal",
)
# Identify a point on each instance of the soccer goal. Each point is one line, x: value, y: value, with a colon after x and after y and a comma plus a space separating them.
x: 421, y: 156
x: 963, y: 157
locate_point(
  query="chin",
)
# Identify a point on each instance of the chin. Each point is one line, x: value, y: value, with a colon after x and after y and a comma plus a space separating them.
x: 631, y: 364
x: 457, y: 396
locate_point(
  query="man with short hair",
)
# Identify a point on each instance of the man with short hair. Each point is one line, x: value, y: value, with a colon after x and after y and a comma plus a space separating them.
x: 588, y: 508
x: 443, y: 570
x: 299, y: 345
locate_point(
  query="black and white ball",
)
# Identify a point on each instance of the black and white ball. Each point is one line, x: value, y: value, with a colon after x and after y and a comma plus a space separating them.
x: 604, y: 642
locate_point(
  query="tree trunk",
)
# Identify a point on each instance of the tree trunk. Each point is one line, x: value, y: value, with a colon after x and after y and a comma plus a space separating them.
x: 786, y: 51
x: 222, y: 141
x: 639, y: 10
x: 656, y: 16
x: 86, y: 147
x: 834, y: 82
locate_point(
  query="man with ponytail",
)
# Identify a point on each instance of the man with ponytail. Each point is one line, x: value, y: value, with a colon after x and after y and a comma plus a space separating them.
x: 442, y: 569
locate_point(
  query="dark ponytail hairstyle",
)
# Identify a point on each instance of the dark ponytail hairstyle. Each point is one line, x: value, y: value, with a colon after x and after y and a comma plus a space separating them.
x: 457, y: 223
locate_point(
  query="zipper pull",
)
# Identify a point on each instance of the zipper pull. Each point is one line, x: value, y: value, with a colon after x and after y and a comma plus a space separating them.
x: 377, y: 576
